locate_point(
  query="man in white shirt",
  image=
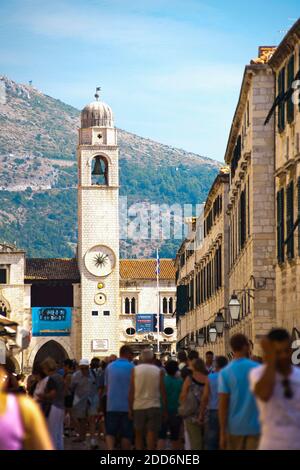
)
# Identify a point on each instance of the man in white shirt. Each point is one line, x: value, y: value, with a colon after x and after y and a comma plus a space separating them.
x: 147, y: 400
x: 276, y: 386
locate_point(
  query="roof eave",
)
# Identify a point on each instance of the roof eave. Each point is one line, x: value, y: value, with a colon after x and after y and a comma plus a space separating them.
x: 240, y: 107
x: 286, y: 46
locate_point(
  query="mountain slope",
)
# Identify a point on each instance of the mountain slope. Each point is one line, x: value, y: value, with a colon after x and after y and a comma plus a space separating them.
x: 38, y: 174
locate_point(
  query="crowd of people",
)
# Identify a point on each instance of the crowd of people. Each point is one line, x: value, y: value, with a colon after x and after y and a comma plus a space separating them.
x: 184, y: 402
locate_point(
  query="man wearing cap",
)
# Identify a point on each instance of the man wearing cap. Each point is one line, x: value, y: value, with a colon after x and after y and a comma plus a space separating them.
x: 83, y: 384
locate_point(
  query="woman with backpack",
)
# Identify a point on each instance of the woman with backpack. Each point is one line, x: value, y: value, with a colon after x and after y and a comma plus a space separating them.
x: 190, y: 399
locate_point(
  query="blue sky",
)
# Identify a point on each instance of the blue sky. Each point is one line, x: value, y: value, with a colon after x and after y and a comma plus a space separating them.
x: 170, y: 69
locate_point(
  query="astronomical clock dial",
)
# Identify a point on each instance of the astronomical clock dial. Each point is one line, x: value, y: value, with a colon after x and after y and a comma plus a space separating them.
x: 100, y: 260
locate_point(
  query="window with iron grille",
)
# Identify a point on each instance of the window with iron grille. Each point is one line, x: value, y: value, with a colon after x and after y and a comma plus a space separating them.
x: 280, y: 226
x: 290, y: 219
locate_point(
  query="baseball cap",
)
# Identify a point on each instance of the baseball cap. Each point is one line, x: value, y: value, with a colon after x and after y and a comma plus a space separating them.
x: 84, y: 362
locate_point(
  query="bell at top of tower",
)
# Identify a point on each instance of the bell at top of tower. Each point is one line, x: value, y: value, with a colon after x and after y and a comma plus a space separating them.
x: 97, y: 114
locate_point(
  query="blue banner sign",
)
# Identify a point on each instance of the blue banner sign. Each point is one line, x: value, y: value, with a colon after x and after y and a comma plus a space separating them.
x: 51, y: 321
x: 147, y: 322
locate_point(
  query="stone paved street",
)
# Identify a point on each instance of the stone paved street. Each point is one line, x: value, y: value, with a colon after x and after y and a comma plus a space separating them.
x: 70, y: 445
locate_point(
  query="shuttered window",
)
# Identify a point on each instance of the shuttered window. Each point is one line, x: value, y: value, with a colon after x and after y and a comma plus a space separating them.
x: 204, y: 285
x: 220, y: 267
x: 298, y: 200
x: 208, y: 280
x: 193, y: 293
x: 182, y: 300
x: 248, y: 207
x: 216, y: 271
x: 242, y: 220
x: 298, y: 71
x: 199, y: 288
x: 280, y: 226
x: 281, y: 107
x: 290, y: 79
x: 290, y: 219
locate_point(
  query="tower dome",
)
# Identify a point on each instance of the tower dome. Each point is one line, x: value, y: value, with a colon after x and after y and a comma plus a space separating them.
x: 97, y: 114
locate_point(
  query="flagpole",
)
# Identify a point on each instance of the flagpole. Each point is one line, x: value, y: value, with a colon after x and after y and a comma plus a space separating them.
x: 158, y: 303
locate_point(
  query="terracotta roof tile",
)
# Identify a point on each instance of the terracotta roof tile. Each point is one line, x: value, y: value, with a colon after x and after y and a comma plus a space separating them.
x: 52, y: 269
x: 146, y: 269
x: 67, y: 269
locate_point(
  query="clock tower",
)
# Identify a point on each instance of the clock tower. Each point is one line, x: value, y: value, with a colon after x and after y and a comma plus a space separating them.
x: 98, y: 230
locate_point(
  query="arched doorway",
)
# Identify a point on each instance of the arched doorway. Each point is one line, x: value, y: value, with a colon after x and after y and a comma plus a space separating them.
x: 50, y: 349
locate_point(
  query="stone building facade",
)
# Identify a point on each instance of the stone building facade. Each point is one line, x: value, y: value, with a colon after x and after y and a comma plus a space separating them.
x: 285, y: 63
x: 250, y: 155
x: 138, y: 296
x: 202, y: 266
x: 247, y: 225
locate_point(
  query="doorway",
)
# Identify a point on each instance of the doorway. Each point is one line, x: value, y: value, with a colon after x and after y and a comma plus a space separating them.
x: 50, y: 349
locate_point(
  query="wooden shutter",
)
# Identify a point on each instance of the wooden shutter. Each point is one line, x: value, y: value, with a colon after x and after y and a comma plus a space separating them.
x: 298, y: 208
x: 290, y: 79
x: 217, y: 270
x: 281, y: 107
x: 248, y: 206
x: 280, y: 226
x: 204, y: 284
x: 193, y: 293
x: 220, y: 267
x: 290, y: 219
x: 242, y: 228
x: 208, y: 281
x: 182, y: 300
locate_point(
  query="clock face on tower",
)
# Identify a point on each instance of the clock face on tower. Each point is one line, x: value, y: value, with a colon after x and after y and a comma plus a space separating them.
x: 100, y: 260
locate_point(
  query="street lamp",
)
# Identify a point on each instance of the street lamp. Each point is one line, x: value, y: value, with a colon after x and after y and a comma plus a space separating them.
x: 201, y: 339
x: 234, y: 307
x: 213, y: 334
x: 220, y: 323
x: 192, y: 345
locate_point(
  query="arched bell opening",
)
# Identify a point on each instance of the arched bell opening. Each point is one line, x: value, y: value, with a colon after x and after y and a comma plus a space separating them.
x: 99, y: 171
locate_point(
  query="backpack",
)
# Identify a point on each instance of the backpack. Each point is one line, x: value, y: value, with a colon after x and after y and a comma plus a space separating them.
x: 191, y: 405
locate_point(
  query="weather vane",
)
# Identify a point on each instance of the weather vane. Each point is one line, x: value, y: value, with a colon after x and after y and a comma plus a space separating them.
x: 98, y: 89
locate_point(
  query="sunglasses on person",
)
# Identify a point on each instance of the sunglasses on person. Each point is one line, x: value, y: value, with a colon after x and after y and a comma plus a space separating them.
x: 287, y: 389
